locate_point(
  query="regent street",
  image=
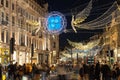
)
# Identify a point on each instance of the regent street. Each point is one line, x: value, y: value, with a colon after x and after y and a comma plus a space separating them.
x: 59, y: 40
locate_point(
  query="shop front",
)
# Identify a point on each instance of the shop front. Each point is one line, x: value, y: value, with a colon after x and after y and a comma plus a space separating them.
x: 43, y: 58
x: 4, y: 55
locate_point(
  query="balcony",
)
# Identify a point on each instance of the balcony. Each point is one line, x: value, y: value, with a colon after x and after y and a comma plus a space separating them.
x: 31, y: 7
x: 4, y: 23
x: 23, y: 4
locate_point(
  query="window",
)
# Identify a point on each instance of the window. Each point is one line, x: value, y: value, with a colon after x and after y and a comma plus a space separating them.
x: 2, y: 17
x: 2, y: 34
x: 12, y: 6
x: 27, y: 41
x: 26, y: 15
x: 22, y: 40
x: 13, y: 21
x: 7, y: 18
x: 7, y: 37
x: 6, y: 3
x: 13, y: 35
x: 2, y: 2
x: 54, y: 44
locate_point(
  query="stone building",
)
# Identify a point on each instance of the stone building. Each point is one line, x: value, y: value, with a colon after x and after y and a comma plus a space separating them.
x: 24, y: 20
x: 111, y: 38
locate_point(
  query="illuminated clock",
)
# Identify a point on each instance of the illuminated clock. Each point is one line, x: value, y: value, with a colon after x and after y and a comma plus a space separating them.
x: 55, y: 23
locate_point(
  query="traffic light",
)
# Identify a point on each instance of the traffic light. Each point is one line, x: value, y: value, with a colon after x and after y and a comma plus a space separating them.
x: 32, y: 50
x: 12, y: 43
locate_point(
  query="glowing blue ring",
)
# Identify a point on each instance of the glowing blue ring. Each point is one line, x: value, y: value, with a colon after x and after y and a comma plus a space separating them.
x: 55, y: 23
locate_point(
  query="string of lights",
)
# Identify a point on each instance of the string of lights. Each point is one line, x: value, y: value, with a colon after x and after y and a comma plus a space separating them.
x: 98, y: 26
x: 100, y: 7
x: 85, y: 13
x: 108, y: 12
x: 94, y: 11
x: 95, y: 26
x: 101, y: 23
x: 81, y: 16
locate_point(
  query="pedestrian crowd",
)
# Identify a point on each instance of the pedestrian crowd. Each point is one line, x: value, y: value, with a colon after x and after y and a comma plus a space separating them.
x: 99, y: 71
x: 94, y: 71
x: 16, y: 72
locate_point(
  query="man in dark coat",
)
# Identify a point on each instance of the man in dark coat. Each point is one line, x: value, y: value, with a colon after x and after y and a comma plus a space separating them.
x: 97, y: 71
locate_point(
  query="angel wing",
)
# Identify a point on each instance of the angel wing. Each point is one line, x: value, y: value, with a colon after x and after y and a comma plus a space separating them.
x: 76, y: 45
x: 73, y: 24
x: 81, y: 16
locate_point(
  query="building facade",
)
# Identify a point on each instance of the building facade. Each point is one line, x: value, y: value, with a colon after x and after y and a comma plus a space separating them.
x: 111, y: 39
x: 24, y: 20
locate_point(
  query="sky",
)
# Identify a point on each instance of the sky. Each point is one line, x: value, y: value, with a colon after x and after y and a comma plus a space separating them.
x: 66, y: 6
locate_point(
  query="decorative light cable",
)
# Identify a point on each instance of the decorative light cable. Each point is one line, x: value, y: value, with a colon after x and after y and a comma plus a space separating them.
x: 102, y: 21
x: 100, y: 24
x: 83, y: 46
x: 94, y: 9
x: 92, y: 49
x: 87, y: 25
x: 97, y: 23
x: 108, y: 12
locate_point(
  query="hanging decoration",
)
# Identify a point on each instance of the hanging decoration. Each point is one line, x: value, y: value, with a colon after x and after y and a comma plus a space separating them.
x: 91, y: 48
x: 86, y: 46
x: 81, y: 16
x: 55, y: 23
x: 102, y: 21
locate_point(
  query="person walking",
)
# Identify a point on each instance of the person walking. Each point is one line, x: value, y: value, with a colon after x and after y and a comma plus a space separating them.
x: 86, y: 70
x: 81, y: 73
x: 97, y: 71
x: 106, y: 72
x: 0, y: 71
x: 91, y: 72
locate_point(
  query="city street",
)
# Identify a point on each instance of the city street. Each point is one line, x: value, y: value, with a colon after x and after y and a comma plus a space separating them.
x: 59, y: 39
